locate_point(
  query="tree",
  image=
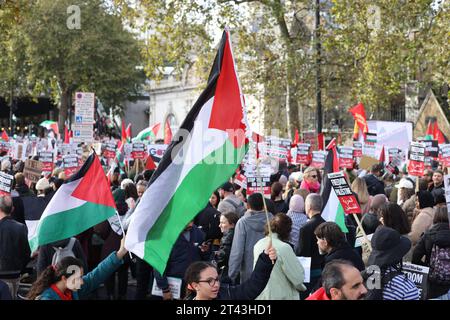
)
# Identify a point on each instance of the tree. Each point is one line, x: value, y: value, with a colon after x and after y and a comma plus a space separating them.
x: 101, y: 56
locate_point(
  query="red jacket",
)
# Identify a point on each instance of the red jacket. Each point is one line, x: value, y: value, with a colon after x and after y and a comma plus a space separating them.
x: 318, y: 295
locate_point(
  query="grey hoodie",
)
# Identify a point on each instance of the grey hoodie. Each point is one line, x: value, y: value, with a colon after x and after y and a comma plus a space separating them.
x: 226, y: 206
x: 249, y: 230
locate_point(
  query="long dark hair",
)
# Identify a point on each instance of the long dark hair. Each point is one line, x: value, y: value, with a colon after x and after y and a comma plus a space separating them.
x: 53, y: 274
x: 193, y: 275
x: 394, y: 217
x: 281, y: 224
x: 277, y: 189
x: 131, y: 191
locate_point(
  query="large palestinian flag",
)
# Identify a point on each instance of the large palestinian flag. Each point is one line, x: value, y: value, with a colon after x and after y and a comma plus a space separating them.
x: 204, y: 154
x: 80, y: 203
x: 332, y: 208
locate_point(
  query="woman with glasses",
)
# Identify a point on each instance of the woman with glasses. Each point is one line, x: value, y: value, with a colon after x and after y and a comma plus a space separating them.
x: 203, y: 283
x: 310, y: 180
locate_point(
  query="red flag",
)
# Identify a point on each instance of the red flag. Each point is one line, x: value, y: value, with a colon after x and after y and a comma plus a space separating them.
x: 382, y: 155
x: 128, y: 132
x: 296, y: 138
x: 167, y: 133
x: 66, y: 135
x: 332, y: 146
x: 430, y: 130
x: 5, y: 136
x: 257, y: 138
x: 321, y: 141
x: 150, y: 164
x: 359, y: 114
x: 124, y: 133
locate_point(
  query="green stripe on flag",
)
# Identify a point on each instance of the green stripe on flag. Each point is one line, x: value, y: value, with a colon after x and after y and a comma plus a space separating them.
x: 69, y: 223
x: 340, y: 218
x: 190, y: 197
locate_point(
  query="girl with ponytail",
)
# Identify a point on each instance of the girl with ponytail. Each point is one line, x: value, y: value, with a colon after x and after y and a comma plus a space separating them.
x: 65, y: 280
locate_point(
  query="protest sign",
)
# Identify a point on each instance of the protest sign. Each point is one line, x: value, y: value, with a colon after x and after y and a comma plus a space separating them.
x: 303, y: 153
x: 418, y: 275
x: 318, y: 159
x: 306, y: 264
x: 174, y: 286
x: 70, y: 165
x: 346, y: 157
x: 138, y: 150
x: 447, y: 192
x: 277, y: 148
x: 156, y: 151
x: 46, y: 158
x: 32, y: 170
x: 366, y: 162
x: 110, y: 150
x: 431, y: 148
x: 357, y: 149
x: 20, y: 151
x: 5, y: 183
x: 241, y: 180
x: 344, y: 193
x: 416, y: 163
x: 257, y: 183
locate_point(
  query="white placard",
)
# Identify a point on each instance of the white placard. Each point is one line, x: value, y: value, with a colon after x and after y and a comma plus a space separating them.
x: 84, y: 108
x: 174, y: 286
x: 306, y: 264
x: 359, y: 240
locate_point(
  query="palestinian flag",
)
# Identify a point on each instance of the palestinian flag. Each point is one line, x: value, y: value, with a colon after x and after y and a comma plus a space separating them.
x: 80, y: 203
x: 193, y: 166
x: 50, y: 125
x: 332, y: 208
x: 147, y: 133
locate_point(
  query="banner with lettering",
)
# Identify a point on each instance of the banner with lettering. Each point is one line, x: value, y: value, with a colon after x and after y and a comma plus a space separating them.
x: 344, y: 193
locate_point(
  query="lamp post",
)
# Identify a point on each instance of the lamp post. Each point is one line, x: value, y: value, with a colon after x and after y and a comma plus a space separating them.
x: 318, y: 62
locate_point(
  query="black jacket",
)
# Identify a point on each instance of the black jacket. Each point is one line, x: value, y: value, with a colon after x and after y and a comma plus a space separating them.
x: 374, y: 186
x: 223, y: 254
x: 46, y: 253
x: 307, y: 243
x: 18, y: 210
x: 370, y: 222
x: 14, y: 248
x: 438, y: 234
x: 281, y: 206
x: 251, y: 288
x: 208, y: 220
x: 347, y: 253
x: 436, y: 191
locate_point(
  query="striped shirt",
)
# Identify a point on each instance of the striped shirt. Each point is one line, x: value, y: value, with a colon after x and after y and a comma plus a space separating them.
x: 298, y: 220
x: 400, y: 288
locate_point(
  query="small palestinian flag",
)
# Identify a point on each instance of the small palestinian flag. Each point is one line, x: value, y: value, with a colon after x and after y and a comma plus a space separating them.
x: 80, y: 203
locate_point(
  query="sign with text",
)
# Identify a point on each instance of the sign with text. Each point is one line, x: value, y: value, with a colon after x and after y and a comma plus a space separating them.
x: 447, y: 192
x: 241, y: 180
x: 357, y: 149
x: 445, y: 154
x: 174, y: 286
x: 84, y: 108
x: 277, y: 148
x: 83, y: 133
x: 318, y: 159
x: 110, y: 150
x: 416, y: 163
x: 156, y: 151
x: 46, y: 158
x: 303, y: 153
x: 431, y: 148
x: 32, y: 170
x: 344, y: 193
x: 346, y: 157
x: 139, y: 150
x: 418, y: 275
x: 70, y: 165
x: 5, y: 183
x: 257, y: 183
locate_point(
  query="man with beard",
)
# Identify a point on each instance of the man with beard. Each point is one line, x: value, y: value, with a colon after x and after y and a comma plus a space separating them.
x: 340, y: 281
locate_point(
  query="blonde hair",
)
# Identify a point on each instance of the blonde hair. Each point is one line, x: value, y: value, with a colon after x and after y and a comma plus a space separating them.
x: 359, y: 187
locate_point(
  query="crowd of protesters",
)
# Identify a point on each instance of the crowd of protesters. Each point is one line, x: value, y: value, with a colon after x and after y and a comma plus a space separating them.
x: 230, y: 251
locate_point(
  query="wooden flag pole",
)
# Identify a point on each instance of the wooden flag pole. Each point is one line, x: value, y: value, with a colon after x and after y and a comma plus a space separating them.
x: 265, y: 205
x: 366, y: 239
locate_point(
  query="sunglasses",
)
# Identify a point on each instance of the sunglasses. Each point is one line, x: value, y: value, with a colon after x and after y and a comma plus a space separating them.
x: 315, y: 176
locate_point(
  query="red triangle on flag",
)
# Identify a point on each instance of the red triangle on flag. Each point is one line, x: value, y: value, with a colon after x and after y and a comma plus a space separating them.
x: 94, y: 187
x: 150, y: 164
x: 5, y: 136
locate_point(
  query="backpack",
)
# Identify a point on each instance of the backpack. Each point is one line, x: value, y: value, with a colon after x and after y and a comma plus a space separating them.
x: 440, y: 265
x: 61, y: 253
x: 240, y: 209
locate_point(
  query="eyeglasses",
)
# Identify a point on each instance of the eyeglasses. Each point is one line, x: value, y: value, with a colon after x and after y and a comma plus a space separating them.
x: 211, y: 281
x: 313, y: 176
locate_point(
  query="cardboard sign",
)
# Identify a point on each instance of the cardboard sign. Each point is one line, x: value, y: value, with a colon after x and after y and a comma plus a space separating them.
x: 110, y: 150
x: 257, y: 183
x: 357, y: 149
x: 303, y: 153
x: 416, y: 163
x: 318, y: 159
x: 366, y: 162
x: 418, y: 275
x: 70, y: 165
x: 346, y: 157
x: 445, y: 154
x: 5, y: 183
x: 46, y: 158
x: 32, y: 170
x: 344, y: 193
x: 138, y: 150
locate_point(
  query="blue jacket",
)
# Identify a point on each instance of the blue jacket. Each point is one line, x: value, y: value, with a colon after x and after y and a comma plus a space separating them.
x: 91, y: 281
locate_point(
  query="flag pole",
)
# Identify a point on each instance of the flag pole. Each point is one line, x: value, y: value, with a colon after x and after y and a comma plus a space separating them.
x: 123, y: 231
x: 265, y: 205
x: 366, y: 239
